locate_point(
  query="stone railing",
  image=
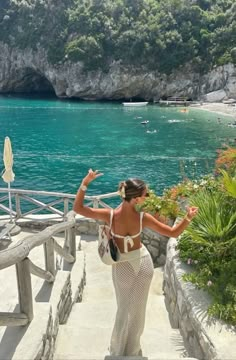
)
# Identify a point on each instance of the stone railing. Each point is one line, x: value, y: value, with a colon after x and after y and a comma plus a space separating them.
x: 205, y: 338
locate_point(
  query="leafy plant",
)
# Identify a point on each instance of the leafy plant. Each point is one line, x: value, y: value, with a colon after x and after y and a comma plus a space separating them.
x: 187, y: 187
x: 155, y: 35
x: 226, y: 160
x: 209, y: 245
x: 229, y: 183
x: 162, y: 206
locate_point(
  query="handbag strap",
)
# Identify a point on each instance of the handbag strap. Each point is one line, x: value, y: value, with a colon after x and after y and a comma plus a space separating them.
x: 111, y: 217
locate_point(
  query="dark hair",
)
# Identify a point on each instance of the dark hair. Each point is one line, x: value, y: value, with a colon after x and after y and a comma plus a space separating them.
x: 132, y: 188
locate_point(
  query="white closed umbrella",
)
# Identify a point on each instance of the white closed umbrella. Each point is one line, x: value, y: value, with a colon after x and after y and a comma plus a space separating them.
x: 8, y: 174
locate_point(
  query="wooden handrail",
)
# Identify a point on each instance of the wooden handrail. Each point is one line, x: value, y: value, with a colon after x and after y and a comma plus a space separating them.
x: 22, y: 248
x: 18, y: 255
x: 39, y: 205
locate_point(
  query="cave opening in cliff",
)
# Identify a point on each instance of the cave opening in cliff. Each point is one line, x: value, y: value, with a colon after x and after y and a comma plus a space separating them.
x: 134, y: 99
x: 30, y: 82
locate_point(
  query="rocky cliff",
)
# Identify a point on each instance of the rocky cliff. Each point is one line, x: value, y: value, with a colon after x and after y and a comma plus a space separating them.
x: 30, y: 71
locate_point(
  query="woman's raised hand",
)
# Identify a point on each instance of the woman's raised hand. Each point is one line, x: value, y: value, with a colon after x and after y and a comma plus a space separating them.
x: 191, y: 212
x: 92, y: 175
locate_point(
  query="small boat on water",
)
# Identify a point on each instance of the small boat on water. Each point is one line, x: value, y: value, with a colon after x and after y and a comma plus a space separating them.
x: 232, y: 124
x: 144, y: 122
x: 131, y: 103
x: 151, y: 131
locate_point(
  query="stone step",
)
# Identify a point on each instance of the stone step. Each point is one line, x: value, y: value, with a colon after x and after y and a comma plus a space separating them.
x: 110, y: 357
x: 83, y: 314
x: 86, y: 336
x: 95, y: 314
x: 95, y: 291
x: 90, y: 319
x: 76, y: 343
x: 25, y: 342
x: 92, y: 343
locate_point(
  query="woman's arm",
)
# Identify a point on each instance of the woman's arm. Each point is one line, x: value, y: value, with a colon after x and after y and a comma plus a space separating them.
x: 93, y: 213
x: 150, y: 222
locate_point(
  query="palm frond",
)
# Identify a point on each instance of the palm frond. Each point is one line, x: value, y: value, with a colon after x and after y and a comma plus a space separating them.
x: 216, y: 219
x: 229, y: 183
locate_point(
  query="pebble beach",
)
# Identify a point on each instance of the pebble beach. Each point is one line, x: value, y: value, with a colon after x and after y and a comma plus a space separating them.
x: 219, y: 108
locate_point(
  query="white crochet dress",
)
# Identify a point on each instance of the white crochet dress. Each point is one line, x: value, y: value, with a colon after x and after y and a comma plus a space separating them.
x: 132, y: 277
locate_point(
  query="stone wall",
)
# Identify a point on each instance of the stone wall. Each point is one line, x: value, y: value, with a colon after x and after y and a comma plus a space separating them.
x: 205, y: 338
x: 156, y: 245
x: 59, y: 313
x: 87, y: 226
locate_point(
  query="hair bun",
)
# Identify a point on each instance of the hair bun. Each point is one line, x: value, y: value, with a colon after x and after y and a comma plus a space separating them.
x: 122, y: 189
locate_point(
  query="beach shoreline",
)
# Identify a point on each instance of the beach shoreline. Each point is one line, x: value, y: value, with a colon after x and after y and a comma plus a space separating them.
x: 219, y: 108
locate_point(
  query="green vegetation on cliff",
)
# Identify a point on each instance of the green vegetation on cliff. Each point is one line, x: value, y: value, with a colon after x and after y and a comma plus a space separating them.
x: 159, y: 35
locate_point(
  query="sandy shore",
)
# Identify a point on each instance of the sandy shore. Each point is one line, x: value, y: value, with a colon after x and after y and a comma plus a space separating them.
x: 219, y: 108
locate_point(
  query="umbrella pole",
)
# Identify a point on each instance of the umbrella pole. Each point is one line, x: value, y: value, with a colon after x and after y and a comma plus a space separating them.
x: 10, y: 204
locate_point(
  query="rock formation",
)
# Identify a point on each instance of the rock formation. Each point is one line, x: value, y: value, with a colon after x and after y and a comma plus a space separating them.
x: 29, y: 71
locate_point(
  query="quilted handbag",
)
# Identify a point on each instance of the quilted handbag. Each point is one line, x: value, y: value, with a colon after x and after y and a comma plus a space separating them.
x: 107, y: 248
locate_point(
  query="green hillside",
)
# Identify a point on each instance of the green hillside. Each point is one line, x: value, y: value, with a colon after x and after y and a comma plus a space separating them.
x: 157, y: 35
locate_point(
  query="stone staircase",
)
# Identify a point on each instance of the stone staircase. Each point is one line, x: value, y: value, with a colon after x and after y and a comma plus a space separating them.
x: 86, y: 335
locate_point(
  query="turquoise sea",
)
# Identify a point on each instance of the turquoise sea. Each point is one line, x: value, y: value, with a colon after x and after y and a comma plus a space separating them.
x: 55, y: 142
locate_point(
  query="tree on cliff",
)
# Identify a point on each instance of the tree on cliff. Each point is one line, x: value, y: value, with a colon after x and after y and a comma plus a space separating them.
x: 157, y: 35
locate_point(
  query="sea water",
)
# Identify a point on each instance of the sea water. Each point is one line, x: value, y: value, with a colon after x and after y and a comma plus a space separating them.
x: 55, y: 142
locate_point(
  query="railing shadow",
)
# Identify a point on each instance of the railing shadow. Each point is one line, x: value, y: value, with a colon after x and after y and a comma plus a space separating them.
x: 44, y: 293
x: 11, y: 339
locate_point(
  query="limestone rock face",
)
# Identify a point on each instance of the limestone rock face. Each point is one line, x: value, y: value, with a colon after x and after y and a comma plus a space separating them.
x: 30, y: 71
x: 220, y: 84
x: 215, y: 96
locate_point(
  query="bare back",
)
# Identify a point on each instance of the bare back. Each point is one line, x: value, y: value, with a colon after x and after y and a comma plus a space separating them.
x: 127, y: 231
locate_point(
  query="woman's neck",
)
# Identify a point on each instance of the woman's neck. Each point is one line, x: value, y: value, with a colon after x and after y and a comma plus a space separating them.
x: 127, y: 207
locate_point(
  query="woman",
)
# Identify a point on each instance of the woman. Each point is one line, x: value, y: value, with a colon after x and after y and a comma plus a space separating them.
x: 132, y: 274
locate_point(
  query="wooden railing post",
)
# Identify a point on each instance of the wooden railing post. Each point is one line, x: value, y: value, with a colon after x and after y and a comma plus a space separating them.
x: 66, y: 206
x: 49, y: 256
x: 25, y: 288
x: 18, y: 209
x: 72, y: 241
x: 95, y: 203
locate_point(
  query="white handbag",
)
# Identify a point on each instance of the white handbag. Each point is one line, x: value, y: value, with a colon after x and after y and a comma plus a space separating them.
x: 107, y: 248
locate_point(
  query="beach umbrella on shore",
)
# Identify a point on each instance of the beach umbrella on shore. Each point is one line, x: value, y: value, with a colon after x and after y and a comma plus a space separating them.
x: 8, y: 174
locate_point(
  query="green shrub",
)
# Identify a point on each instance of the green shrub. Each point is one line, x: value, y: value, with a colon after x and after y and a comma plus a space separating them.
x: 155, y: 35
x: 85, y: 49
x: 187, y: 187
x: 233, y: 55
x: 209, y: 246
x: 160, y: 206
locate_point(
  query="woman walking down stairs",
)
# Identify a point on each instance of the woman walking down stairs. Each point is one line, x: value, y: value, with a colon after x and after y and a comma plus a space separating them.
x: 86, y: 335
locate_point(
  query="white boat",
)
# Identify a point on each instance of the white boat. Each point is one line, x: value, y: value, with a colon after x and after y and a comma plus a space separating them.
x: 131, y: 103
x: 232, y: 124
